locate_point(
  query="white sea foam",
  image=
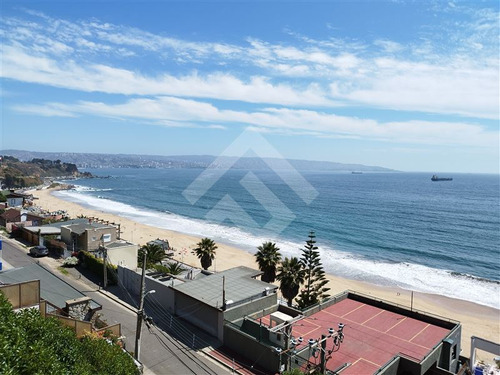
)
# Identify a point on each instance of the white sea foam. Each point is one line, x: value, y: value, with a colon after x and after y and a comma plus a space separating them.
x: 80, y: 188
x: 407, y: 276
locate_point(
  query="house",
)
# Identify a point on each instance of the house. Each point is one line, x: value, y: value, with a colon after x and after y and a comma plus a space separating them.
x: 122, y: 253
x: 88, y: 236
x: 36, y: 233
x: 16, y: 199
x: 61, y: 297
x: 222, y: 297
x: 209, y: 300
x: 18, y: 217
x: 349, y: 333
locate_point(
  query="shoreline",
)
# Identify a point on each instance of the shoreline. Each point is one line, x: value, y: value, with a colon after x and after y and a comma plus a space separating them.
x: 477, y: 320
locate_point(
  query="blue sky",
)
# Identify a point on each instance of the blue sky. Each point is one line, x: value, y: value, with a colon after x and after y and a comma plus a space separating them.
x: 410, y: 85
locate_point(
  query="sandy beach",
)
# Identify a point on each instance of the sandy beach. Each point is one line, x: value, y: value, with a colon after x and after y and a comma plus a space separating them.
x: 477, y: 320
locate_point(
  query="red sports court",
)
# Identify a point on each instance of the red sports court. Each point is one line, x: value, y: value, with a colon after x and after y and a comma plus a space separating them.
x: 372, y: 336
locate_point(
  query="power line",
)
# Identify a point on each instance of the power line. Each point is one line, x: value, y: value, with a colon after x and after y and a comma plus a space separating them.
x: 171, y: 351
x: 195, y: 360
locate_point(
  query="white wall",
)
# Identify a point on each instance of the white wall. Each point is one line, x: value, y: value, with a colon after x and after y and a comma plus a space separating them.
x: 125, y: 256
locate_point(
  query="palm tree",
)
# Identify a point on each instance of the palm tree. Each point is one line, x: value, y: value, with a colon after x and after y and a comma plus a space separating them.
x: 206, y: 252
x: 268, y: 258
x: 175, y: 268
x: 290, y: 275
x: 154, y: 254
x: 170, y: 268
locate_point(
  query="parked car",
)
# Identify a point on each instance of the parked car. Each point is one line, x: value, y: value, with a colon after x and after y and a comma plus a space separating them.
x: 39, y: 251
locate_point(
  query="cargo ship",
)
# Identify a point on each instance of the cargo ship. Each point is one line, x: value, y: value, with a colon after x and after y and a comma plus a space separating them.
x: 436, y: 178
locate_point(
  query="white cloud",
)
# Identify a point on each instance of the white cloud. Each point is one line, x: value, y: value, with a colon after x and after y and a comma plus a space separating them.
x: 455, y: 75
x: 47, y: 110
x: 179, y: 112
x: 20, y: 65
x: 388, y: 46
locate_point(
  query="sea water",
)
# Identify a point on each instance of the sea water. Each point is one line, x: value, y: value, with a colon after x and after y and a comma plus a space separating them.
x: 393, y: 229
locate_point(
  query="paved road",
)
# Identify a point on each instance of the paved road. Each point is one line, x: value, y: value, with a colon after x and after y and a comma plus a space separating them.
x: 160, y: 353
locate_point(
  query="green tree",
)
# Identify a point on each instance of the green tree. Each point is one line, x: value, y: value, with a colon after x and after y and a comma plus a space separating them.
x: 32, y: 344
x: 205, y: 251
x: 314, y: 290
x: 154, y: 255
x: 3, y: 198
x: 268, y: 258
x: 290, y: 275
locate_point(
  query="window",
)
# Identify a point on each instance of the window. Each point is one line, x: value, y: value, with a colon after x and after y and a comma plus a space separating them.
x: 454, y: 352
x: 106, y: 237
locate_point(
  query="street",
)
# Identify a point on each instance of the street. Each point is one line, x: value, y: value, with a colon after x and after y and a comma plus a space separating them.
x: 160, y: 353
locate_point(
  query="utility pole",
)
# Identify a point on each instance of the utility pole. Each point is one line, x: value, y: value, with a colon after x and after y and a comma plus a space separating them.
x: 105, y: 271
x: 288, y: 336
x: 323, y: 354
x: 224, y: 293
x: 140, y: 312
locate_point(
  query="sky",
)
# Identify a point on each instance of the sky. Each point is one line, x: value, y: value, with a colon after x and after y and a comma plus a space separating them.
x: 408, y: 85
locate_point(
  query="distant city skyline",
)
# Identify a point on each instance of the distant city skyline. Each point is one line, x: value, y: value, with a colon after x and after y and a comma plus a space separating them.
x: 412, y: 86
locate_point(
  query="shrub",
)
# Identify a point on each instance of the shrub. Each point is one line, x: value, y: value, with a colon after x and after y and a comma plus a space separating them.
x: 70, y: 262
x: 31, y: 344
x: 95, y: 265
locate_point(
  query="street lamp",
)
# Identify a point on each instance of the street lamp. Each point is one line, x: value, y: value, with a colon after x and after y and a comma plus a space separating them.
x: 152, y: 291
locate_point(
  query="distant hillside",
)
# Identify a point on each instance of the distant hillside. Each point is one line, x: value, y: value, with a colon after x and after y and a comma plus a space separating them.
x: 18, y: 174
x: 87, y: 160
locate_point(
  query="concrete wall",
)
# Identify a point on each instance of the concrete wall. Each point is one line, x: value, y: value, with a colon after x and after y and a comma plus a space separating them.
x: 199, y: 314
x: 93, y: 238
x: 66, y: 237
x: 130, y: 280
x: 124, y: 256
x: 162, y: 299
x: 391, y: 367
x: 451, y: 348
x: 251, y: 349
x: 250, y: 308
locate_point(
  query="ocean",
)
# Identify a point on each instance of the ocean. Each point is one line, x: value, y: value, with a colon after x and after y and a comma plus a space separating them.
x: 392, y: 229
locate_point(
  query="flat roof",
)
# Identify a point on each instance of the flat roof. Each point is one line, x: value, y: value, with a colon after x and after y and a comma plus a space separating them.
x: 118, y: 243
x: 80, y: 228
x: 59, y: 224
x: 55, y: 228
x: 372, y: 335
x: 239, y: 284
x: 44, y: 230
x: 52, y: 288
